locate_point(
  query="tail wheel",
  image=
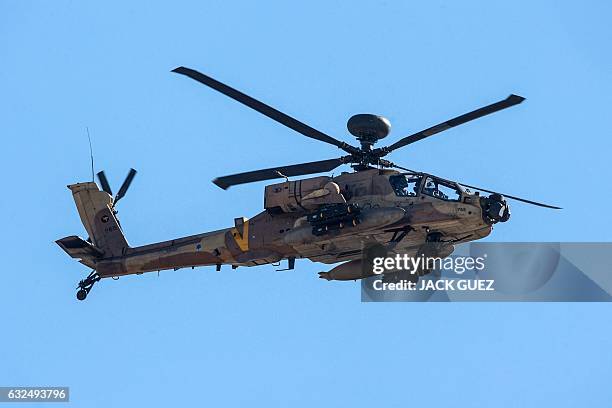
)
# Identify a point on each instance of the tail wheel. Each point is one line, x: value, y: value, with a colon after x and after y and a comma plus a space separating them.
x: 81, y: 294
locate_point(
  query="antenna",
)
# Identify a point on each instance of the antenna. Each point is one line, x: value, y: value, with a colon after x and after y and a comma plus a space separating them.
x: 90, y: 153
x: 282, y: 175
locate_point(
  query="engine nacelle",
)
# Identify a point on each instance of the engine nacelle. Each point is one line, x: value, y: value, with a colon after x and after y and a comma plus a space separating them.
x: 300, y: 195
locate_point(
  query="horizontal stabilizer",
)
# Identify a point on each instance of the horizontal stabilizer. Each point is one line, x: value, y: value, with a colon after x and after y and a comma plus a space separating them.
x: 77, y: 247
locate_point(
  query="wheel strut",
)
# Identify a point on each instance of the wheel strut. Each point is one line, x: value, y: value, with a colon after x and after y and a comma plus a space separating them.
x: 86, y: 284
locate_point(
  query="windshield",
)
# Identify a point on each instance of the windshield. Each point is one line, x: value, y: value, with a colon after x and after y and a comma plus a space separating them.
x: 441, y: 189
x: 405, y: 185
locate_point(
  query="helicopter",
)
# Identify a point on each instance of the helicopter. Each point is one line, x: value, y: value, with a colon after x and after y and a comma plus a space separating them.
x: 326, y: 219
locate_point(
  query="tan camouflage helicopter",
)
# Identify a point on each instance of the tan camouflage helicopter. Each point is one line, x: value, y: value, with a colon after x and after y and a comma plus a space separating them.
x: 324, y: 219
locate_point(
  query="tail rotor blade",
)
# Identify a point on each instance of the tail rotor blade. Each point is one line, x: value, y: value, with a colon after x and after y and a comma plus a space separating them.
x: 104, y: 183
x: 126, y: 184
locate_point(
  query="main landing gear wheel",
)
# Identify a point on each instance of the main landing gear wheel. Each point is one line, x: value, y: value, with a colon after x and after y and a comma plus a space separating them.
x: 86, y: 284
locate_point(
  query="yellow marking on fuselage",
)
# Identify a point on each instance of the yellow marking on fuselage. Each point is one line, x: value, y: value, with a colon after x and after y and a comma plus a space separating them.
x: 242, y: 240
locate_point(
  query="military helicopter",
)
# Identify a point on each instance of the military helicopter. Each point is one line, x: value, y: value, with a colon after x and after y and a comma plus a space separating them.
x: 324, y: 219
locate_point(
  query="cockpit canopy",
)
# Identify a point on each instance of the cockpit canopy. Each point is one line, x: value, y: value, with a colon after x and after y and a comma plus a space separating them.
x: 410, y: 185
x: 405, y: 185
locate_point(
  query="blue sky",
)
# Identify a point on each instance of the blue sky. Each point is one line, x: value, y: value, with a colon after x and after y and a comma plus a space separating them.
x: 266, y: 338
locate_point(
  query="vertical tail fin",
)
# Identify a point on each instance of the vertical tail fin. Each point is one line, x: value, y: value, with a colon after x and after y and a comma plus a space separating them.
x: 96, y: 211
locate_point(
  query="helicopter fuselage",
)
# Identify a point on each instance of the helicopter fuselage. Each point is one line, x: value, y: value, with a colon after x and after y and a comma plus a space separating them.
x: 362, y: 208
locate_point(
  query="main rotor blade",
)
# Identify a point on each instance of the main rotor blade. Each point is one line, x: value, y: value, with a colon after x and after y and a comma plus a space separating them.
x: 514, y: 198
x: 104, y: 182
x: 126, y: 184
x: 488, y: 191
x: 459, y: 120
x: 265, y: 109
x: 279, y: 172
